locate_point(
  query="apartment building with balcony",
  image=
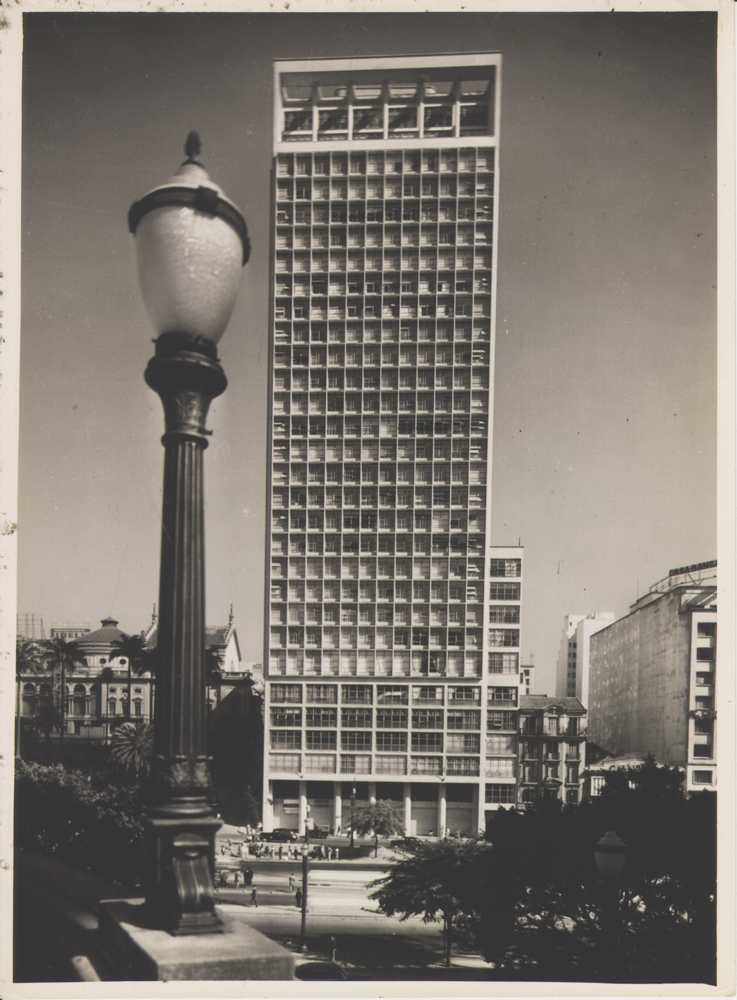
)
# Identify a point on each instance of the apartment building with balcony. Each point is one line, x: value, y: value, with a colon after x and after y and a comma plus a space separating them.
x: 652, y: 685
x: 552, y: 748
x: 392, y: 626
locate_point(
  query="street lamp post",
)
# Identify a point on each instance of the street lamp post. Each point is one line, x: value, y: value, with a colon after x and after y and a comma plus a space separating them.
x: 609, y: 854
x: 353, y: 802
x: 305, y: 867
x: 191, y: 244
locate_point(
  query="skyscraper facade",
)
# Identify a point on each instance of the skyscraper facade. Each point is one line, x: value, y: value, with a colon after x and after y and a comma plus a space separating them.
x: 392, y: 632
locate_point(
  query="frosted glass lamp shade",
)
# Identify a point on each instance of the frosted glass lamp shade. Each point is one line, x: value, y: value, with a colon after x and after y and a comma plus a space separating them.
x: 191, y: 245
x: 609, y: 854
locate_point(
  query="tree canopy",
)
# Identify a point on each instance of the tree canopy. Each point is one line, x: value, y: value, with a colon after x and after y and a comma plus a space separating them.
x: 382, y: 819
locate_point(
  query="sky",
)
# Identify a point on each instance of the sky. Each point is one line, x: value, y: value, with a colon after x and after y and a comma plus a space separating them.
x: 604, y: 451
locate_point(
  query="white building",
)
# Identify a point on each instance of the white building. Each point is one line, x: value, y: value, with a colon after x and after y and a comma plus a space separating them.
x: 392, y: 643
x: 572, y: 672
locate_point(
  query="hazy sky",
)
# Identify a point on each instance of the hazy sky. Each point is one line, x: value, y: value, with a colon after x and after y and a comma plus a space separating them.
x: 605, y: 397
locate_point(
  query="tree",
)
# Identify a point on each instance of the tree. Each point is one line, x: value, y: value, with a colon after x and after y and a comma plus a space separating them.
x: 139, y: 657
x: 432, y: 881
x: 382, y: 819
x: 132, y: 747
x: 29, y: 659
x: 62, y: 656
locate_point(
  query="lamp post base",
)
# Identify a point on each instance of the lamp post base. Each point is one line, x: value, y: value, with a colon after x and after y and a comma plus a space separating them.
x: 181, y: 892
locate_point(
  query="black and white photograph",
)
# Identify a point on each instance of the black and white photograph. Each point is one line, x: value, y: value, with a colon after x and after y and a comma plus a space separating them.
x: 367, y: 387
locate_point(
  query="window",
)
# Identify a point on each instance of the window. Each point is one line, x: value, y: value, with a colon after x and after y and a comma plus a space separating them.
x: 464, y: 720
x: 392, y: 694
x: 355, y: 718
x: 285, y: 739
x: 702, y: 777
x: 463, y: 743
x: 506, y: 567
x: 321, y: 717
x: 500, y: 794
x: 503, y: 746
x: 427, y: 719
x: 503, y: 694
x: 427, y: 742
x: 320, y: 763
x: 355, y: 741
x: 704, y: 727
x: 572, y: 796
x: 428, y: 694
x: 500, y: 768
x: 391, y: 718
x: 287, y: 693
x: 503, y: 637
x: 705, y: 653
x: 704, y: 679
x: 356, y: 694
x: 572, y: 774
x: 705, y: 629
x: 320, y: 740
x: 286, y: 717
x: 321, y: 694
x: 504, y: 614
x: 501, y: 720
x: 391, y: 742
x: 702, y: 750
x: 456, y: 694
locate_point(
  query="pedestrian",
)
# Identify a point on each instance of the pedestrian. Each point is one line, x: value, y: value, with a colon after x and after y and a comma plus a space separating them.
x: 281, y: 851
x: 236, y: 877
x: 254, y: 897
x: 337, y: 853
x: 248, y: 876
x: 299, y: 897
x: 244, y: 851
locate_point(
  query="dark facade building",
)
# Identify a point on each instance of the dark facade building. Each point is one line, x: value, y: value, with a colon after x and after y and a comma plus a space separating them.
x: 552, y: 748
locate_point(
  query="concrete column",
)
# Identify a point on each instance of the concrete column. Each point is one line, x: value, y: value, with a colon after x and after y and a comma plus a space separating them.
x: 302, y: 808
x: 442, y: 810
x: 268, y: 813
x: 337, y: 805
x: 372, y: 793
x: 479, y: 806
x: 407, y: 807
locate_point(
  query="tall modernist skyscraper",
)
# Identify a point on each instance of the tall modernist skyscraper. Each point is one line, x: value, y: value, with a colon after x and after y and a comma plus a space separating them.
x: 392, y: 660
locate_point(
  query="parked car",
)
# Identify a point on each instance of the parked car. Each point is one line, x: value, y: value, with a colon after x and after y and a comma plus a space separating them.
x: 280, y: 835
x: 407, y: 842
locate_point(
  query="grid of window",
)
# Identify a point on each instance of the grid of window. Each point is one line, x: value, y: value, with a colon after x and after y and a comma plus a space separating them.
x: 501, y: 720
x: 381, y: 361
x: 507, y: 695
x: 287, y: 693
x: 286, y: 739
x: 382, y: 319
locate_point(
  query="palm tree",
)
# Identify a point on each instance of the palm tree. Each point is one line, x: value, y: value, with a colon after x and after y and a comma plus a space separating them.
x: 29, y: 659
x: 132, y: 747
x: 63, y: 656
x: 139, y: 657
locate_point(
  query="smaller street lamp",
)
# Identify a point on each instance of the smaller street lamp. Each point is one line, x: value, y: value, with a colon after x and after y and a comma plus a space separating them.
x: 610, y: 853
x: 305, y: 868
x: 353, y: 802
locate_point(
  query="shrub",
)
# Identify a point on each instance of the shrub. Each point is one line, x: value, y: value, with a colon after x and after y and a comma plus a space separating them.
x: 80, y: 821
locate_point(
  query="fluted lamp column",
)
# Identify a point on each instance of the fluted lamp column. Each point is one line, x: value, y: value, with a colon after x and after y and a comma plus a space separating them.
x: 191, y: 246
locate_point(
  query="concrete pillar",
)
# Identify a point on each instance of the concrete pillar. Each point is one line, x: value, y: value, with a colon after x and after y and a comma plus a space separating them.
x: 407, y: 807
x: 268, y: 811
x: 302, y: 808
x: 479, y: 807
x: 442, y: 810
x: 337, y: 806
x: 372, y: 793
